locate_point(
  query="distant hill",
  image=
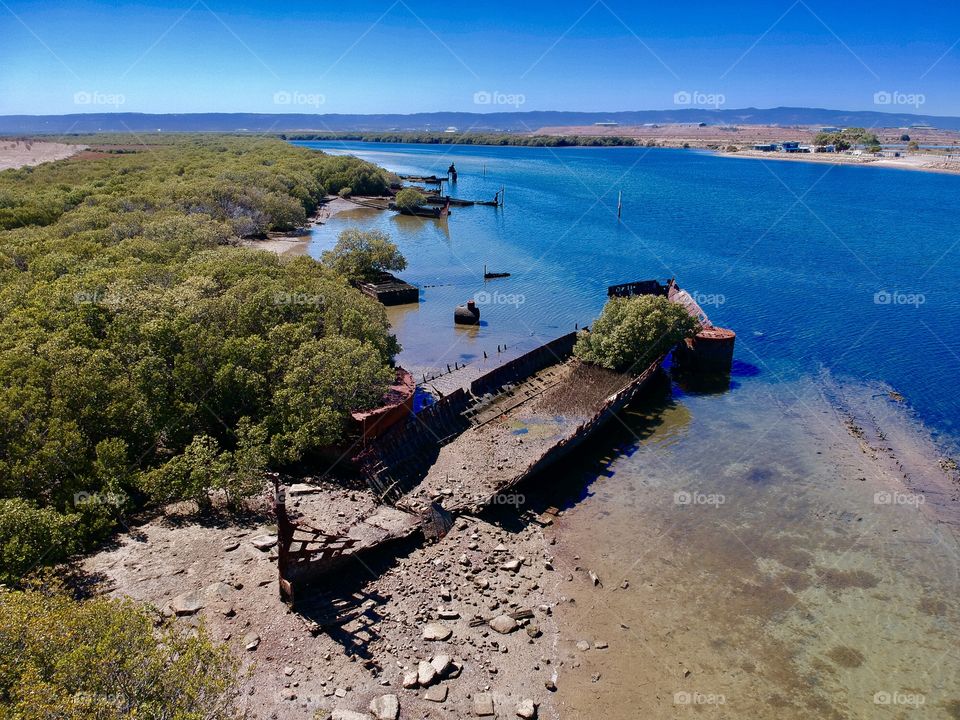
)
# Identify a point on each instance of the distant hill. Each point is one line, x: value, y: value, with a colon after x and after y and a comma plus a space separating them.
x: 497, y: 121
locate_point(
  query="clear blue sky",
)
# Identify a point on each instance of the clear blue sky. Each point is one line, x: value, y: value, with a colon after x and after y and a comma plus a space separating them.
x: 360, y: 56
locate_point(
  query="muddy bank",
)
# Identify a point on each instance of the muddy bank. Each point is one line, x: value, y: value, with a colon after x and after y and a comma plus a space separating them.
x: 295, y: 244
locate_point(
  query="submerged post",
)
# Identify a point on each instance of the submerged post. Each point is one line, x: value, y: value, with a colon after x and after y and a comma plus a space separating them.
x: 620, y: 205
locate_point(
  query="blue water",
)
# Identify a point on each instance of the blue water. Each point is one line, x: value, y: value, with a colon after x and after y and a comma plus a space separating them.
x: 854, y: 269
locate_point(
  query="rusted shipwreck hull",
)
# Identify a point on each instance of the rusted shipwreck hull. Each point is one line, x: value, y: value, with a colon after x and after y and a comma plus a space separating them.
x: 441, y: 462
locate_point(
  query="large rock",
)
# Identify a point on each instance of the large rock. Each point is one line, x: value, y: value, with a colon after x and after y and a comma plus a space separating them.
x: 483, y: 705
x: 526, y: 709
x: 385, y: 707
x: 442, y: 664
x: 410, y: 679
x: 186, y: 604
x: 264, y: 542
x: 426, y: 674
x: 436, y: 631
x: 504, y: 624
x: 251, y: 641
x: 437, y: 694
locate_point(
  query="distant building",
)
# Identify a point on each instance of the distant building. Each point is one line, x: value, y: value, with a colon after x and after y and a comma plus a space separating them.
x: 829, y: 129
x: 768, y: 147
x: 451, y: 130
x: 606, y: 124
x: 790, y: 147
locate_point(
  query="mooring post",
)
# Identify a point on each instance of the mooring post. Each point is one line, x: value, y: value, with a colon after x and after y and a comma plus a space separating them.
x: 619, y: 204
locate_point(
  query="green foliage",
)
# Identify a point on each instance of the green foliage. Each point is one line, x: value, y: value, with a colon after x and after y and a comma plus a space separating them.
x: 633, y: 332
x: 143, y: 356
x: 410, y: 198
x: 360, y: 255
x: 847, y: 138
x: 102, y: 658
x: 913, y: 145
x: 904, y: 138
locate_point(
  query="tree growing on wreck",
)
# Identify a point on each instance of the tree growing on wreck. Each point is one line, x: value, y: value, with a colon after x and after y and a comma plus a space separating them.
x: 363, y: 255
x: 410, y: 198
x: 632, y: 332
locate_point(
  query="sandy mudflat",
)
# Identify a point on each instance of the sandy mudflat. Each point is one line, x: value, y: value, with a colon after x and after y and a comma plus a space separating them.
x: 921, y: 162
x: 18, y: 153
x: 292, y: 245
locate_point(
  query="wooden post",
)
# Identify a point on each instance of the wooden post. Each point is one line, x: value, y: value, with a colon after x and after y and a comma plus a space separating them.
x: 620, y: 205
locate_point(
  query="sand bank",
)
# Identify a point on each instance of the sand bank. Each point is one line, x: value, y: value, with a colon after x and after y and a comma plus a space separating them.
x: 19, y: 153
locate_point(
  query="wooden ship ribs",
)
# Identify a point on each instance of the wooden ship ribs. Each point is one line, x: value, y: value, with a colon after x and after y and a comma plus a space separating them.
x: 477, y: 443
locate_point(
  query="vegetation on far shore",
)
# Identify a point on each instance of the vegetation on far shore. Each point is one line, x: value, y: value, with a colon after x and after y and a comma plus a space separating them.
x: 469, y: 138
x: 145, y: 357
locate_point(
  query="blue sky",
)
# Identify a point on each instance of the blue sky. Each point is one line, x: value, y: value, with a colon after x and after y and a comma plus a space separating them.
x: 371, y: 56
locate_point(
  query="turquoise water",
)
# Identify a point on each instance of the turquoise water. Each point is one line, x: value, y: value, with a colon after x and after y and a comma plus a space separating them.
x: 790, y: 255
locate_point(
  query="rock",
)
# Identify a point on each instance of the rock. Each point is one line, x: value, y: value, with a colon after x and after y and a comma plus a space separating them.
x: 340, y: 692
x: 186, y: 604
x: 437, y: 694
x: 442, y: 664
x: 533, y: 631
x: 340, y: 714
x: 264, y: 542
x: 595, y: 578
x: 511, y: 565
x: 385, y: 707
x: 251, y: 641
x: 410, y: 679
x: 600, y: 644
x: 483, y: 705
x: 445, y: 593
x: 231, y: 545
x: 436, y: 631
x: 550, y: 685
x: 526, y: 709
x: 504, y: 624
x: 426, y: 673
x: 446, y: 614
x: 583, y: 645
x: 288, y: 671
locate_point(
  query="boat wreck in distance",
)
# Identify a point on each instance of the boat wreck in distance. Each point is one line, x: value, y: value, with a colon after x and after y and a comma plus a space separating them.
x: 479, y: 441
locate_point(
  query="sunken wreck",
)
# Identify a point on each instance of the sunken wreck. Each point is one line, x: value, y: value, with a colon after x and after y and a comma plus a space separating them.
x: 477, y: 442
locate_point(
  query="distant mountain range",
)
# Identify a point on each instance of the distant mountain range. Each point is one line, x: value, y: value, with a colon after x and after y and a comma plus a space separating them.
x: 438, y: 121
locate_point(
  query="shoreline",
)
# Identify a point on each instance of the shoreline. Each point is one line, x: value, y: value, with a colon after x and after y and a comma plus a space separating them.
x: 902, y: 163
x: 297, y: 243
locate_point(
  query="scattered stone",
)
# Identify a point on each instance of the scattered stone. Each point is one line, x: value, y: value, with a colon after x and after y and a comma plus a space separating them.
x: 533, y: 631
x: 426, y: 674
x: 511, y: 565
x: 441, y: 663
x: 288, y: 671
x: 600, y: 645
x: 583, y: 645
x: 436, y: 631
x: 504, y: 624
x: 231, y: 545
x: 595, y: 578
x: 526, y: 709
x: 447, y: 614
x: 251, y: 641
x: 340, y: 693
x: 264, y: 542
x: 445, y: 593
x: 186, y: 604
x: 385, y: 707
x: 483, y: 705
x: 410, y: 679
x: 340, y: 714
x: 437, y: 694
x: 550, y: 685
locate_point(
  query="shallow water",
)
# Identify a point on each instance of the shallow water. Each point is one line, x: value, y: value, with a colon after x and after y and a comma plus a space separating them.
x: 764, y: 576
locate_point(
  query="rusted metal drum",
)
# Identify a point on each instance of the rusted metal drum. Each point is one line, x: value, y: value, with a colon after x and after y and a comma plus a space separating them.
x: 710, y: 350
x: 468, y: 314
